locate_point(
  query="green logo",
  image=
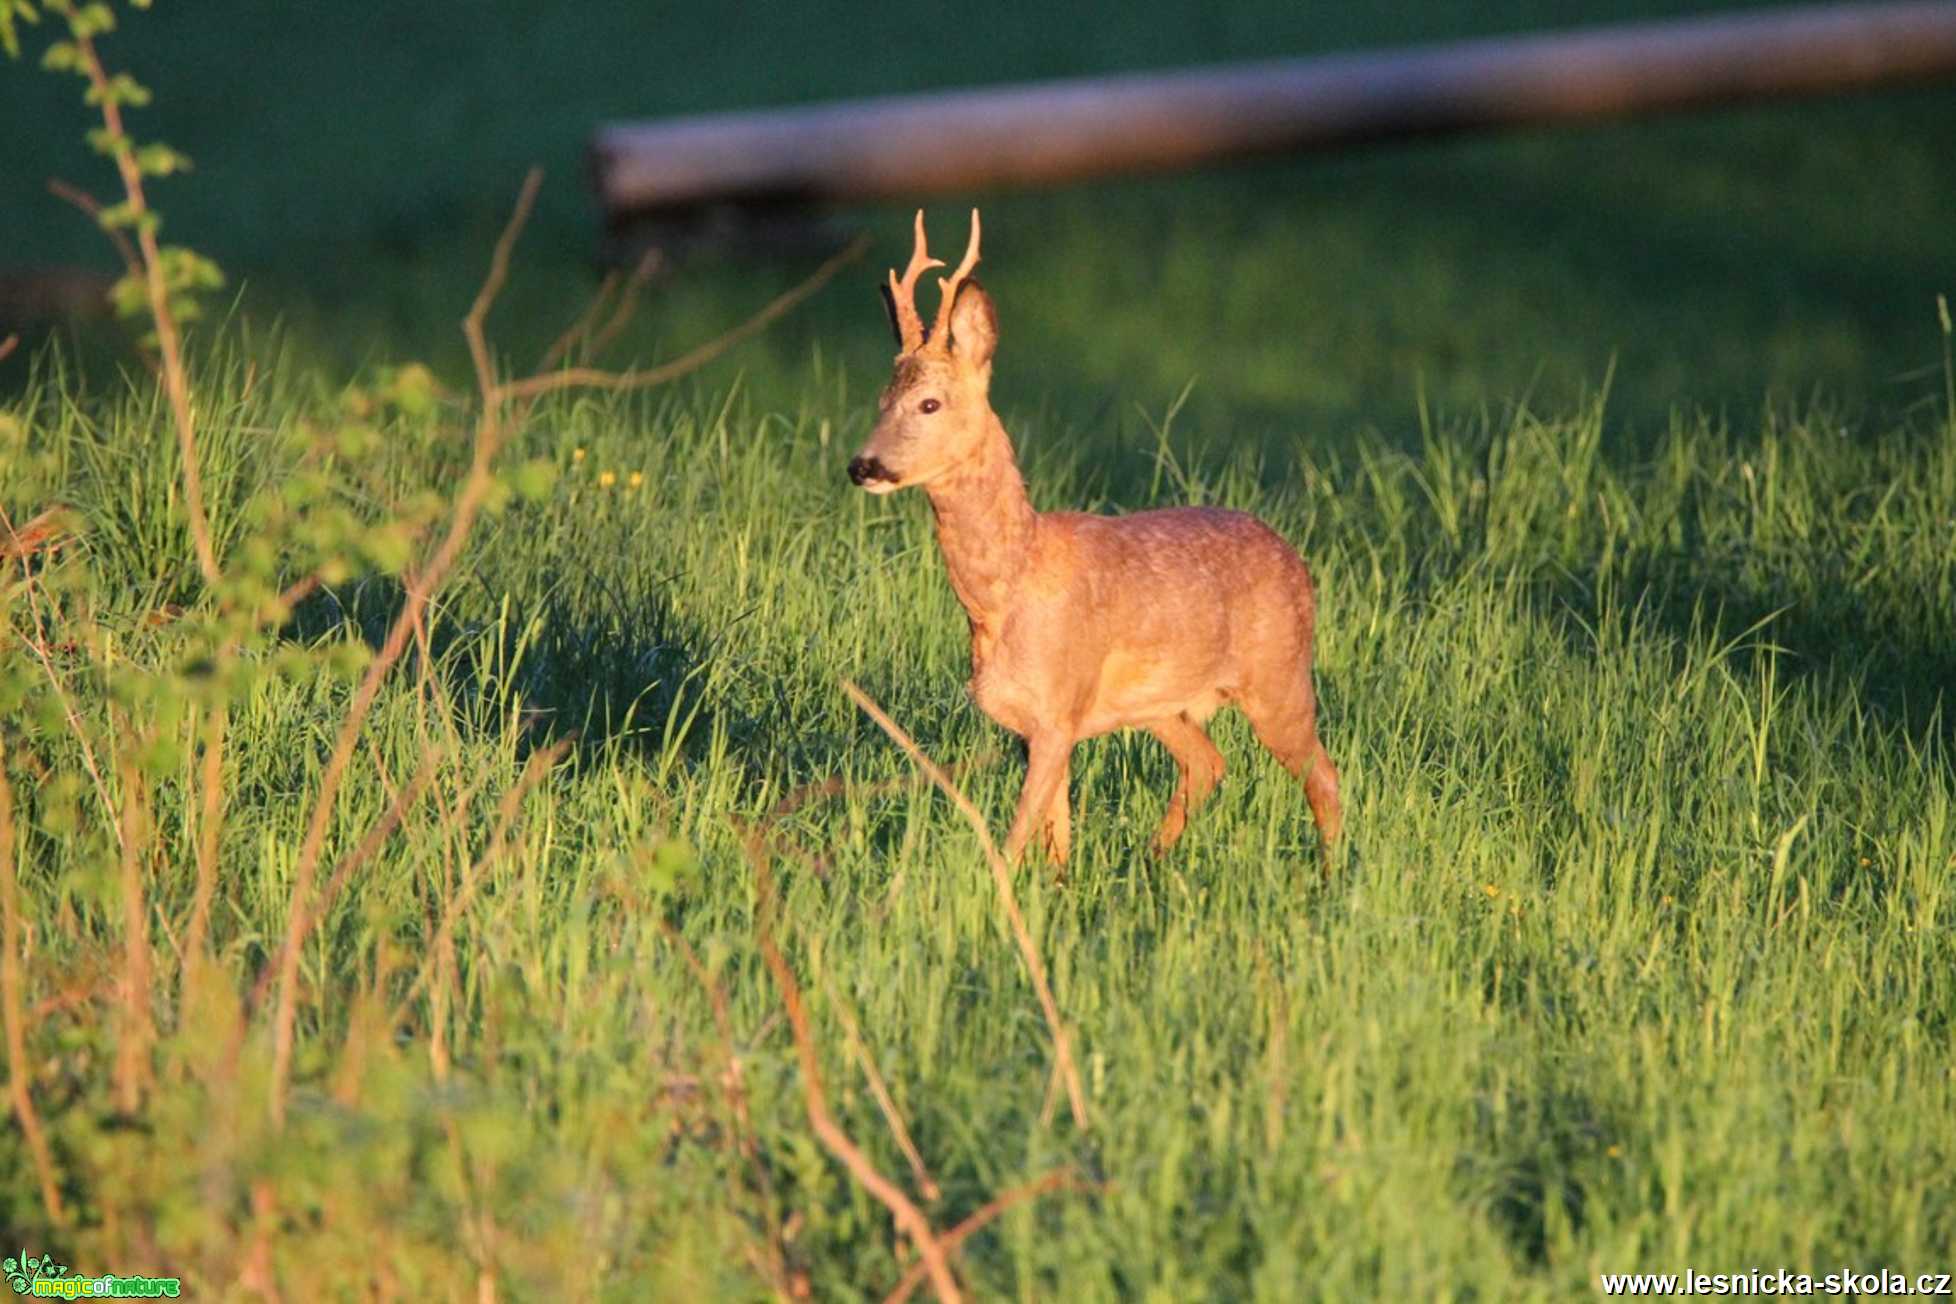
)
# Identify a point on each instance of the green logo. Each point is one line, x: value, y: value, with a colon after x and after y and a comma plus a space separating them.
x: 24, y: 1270
x: 46, y: 1279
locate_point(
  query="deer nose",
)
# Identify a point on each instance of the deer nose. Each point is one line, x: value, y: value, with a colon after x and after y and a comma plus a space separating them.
x: 864, y: 469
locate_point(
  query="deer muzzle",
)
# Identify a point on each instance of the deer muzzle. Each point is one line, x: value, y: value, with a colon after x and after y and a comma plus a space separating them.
x: 870, y: 473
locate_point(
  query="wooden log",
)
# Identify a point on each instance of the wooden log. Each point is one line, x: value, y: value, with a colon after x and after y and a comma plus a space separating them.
x: 1040, y: 133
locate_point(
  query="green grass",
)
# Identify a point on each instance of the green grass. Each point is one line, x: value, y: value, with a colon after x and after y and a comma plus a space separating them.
x: 1626, y: 462
x: 1642, y: 962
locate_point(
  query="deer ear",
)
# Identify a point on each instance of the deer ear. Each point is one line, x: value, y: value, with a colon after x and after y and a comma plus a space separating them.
x: 889, y: 306
x: 974, y: 326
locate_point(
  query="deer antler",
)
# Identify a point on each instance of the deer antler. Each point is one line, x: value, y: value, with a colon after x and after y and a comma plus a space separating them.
x: 903, y: 294
x: 940, y: 334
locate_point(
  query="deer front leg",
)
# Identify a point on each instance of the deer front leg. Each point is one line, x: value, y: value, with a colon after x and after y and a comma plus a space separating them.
x: 1046, y: 757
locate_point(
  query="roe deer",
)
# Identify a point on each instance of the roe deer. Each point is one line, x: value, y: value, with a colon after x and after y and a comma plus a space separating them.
x: 1084, y: 624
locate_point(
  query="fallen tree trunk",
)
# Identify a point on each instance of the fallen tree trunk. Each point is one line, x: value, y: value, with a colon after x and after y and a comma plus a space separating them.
x: 1039, y: 133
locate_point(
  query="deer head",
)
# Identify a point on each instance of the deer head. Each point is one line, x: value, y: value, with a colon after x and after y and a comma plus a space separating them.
x: 935, y: 413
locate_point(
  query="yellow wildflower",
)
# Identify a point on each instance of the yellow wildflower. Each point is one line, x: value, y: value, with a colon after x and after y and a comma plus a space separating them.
x: 577, y: 455
x: 606, y: 479
x: 634, y: 480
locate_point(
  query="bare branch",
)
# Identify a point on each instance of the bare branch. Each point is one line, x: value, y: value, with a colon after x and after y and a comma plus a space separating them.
x: 580, y: 328
x: 422, y: 585
x: 815, y: 1100
x: 492, y: 284
x: 693, y: 359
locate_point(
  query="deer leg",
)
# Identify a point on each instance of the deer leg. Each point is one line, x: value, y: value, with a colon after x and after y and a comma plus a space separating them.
x: 1046, y: 757
x: 1288, y: 727
x: 1201, y: 765
x: 1057, y: 832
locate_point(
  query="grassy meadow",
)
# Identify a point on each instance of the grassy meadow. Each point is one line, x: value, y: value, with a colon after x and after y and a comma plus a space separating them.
x: 1626, y: 463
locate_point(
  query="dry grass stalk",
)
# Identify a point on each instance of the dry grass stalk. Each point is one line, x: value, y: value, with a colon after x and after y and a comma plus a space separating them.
x: 1008, y: 902
x: 891, y: 1115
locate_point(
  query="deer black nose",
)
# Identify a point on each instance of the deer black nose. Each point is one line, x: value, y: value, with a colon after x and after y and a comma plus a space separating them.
x: 864, y: 469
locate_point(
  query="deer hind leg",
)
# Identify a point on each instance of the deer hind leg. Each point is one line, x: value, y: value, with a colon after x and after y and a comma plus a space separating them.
x: 1046, y: 757
x: 1202, y: 767
x: 1286, y: 723
x: 1056, y: 834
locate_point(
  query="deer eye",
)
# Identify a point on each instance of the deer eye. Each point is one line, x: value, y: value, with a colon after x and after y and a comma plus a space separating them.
x: 929, y: 406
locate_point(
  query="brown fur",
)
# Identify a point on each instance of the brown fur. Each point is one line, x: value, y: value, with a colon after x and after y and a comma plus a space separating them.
x: 1084, y: 624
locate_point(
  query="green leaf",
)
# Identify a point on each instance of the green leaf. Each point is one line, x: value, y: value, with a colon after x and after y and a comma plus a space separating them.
x: 387, y: 548
x: 412, y: 389
x: 62, y: 56
x: 117, y: 215
x: 355, y: 440
x: 160, y: 161
x: 534, y: 479
x: 11, y: 10
x: 120, y: 89
x: 673, y: 862
x: 130, y: 295
x: 91, y: 20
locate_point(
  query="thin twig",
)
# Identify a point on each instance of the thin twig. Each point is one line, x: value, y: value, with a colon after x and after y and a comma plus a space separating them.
x: 18, y: 1076
x: 92, y: 207
x: 8, y: 345
x: 1008, y: 902
x: 692, y: 360
x: 580, y: 329
x: 955, y: 1238
x: 627, y: 302
x: 492, y: 284
x: 815, y: 1101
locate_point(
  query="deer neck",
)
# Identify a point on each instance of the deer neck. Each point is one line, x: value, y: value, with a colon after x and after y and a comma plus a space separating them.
x: 985, y: 526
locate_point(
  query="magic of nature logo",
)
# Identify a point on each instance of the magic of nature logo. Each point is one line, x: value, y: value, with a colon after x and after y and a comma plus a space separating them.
x: 43, y: 1277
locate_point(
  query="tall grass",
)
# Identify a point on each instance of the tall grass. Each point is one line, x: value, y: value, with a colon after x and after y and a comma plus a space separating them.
x: 1644, y: 961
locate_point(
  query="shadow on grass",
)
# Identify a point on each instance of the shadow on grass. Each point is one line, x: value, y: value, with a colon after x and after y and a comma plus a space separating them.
x: 632, y: 681
x: 1872, y: 637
